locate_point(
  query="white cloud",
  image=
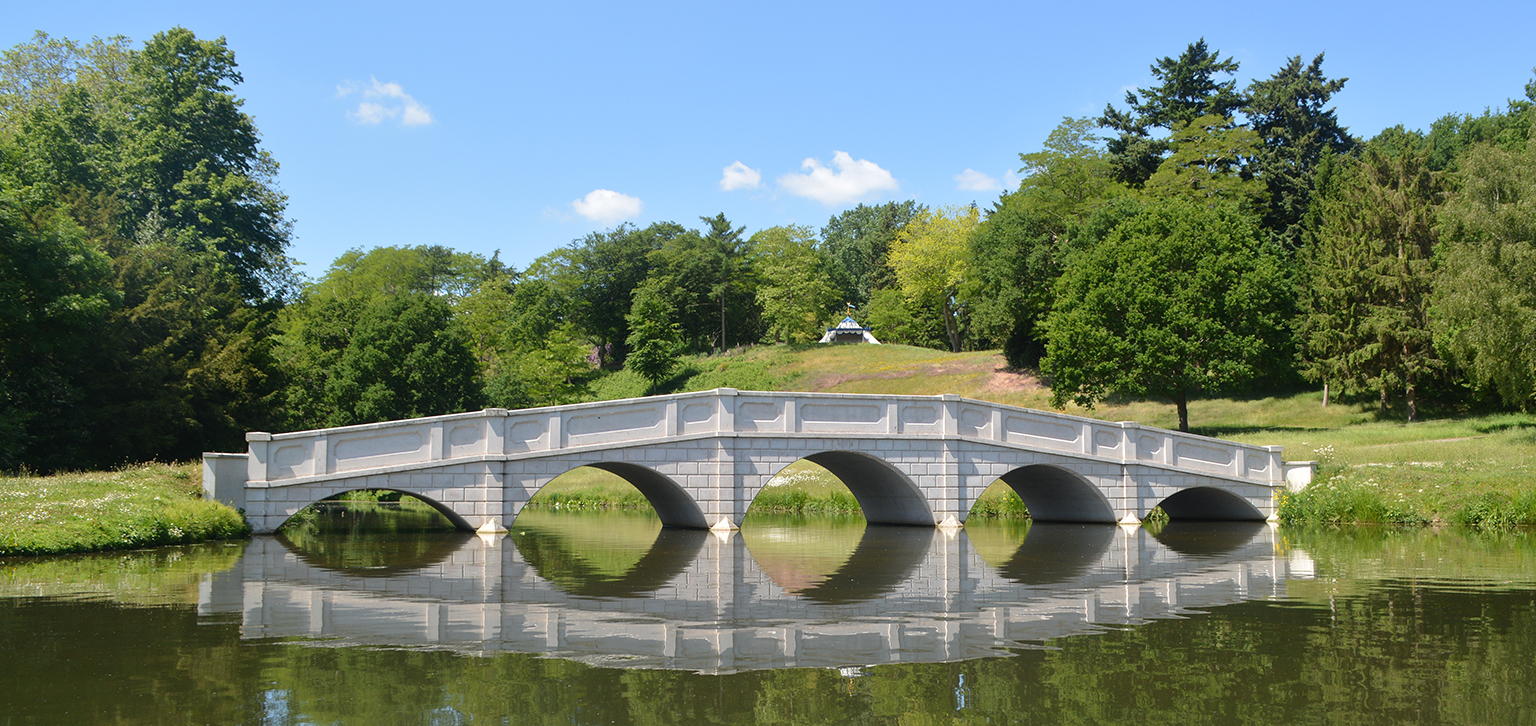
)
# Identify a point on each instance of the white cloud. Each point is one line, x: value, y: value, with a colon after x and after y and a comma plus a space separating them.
x: 607, y: 206
x: 740, y: 176
x: 1011, y: 180
x: 975, y: 181
x: 388, y: 101
x: 853, y: 181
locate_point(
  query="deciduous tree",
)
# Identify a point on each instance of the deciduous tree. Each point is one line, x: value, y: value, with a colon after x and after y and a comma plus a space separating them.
x: 931, y: 259
x: 654, y: 338
x: 857, y: 243
x: 795, y: 292
x: 1484, y: 298
x: 1179, y: 299
x: 405, y: 358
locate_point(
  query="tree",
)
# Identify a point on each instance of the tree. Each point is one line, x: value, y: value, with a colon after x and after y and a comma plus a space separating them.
x: 712, y: 286
x: 893, y: 319
x: 395, y: 271
x: 40, y: 74
x: 931, y: 259
x: 654, y: 339
x: 185, y: 364
x: 1295, y: 129
x: 1177, y: 300
x: 857, y: 243
x: 142, y: 161
x: 187, y: 160
x: 551, y: 373
x: 1206, y: 166
x: 1018, y: 250
x: 1187, y: 91
x: 1483, y: 306
x: 530, y: 352
x: 55, y: 295
x: 1071, y: 176
x: 405, y: 358
x: 1016, y: 256
x: 607, y: 267
x: 1452, y: 135
x: 1365, y: 310
x: 795, y: 292
x: 734, y: 281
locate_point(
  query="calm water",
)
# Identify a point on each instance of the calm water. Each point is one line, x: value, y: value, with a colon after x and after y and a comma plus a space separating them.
x: 608, y: 618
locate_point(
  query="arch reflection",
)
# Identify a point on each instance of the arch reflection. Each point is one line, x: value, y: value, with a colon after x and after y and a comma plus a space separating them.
x: 369, y: 538
x: 886, y: 556
x: 835, y: 560
x: 1054, y: 552
x: 620, y: 555
x: 1208, y: 539
x: 896, y: 594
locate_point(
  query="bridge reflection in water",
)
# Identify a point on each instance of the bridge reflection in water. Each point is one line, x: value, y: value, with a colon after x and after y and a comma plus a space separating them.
x: 721, y: 602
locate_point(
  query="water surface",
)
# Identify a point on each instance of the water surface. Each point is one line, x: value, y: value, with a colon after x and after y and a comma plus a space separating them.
x: 609, y: 618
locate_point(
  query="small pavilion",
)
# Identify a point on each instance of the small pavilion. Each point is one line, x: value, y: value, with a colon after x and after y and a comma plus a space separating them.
x: 848, y: 331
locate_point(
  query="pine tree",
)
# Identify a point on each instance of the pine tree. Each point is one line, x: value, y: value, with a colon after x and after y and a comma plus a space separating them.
x: 1364, y: 321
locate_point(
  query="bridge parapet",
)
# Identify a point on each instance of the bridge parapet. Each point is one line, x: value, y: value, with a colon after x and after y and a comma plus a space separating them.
x: 496, y: 434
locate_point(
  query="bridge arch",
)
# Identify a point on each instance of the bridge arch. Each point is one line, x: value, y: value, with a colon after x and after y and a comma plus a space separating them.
x: 673, y: 505
x: 884, y: 493
x: 1056, y: 494
x: 1209, y: 504
x: 458, y: 520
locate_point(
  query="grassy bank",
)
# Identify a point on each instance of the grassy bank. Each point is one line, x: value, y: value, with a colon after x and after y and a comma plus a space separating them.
x: 133, y: 507
x: 1474, y: 470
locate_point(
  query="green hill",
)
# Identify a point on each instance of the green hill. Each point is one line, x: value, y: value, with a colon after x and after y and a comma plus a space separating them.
x: 1473, y: 469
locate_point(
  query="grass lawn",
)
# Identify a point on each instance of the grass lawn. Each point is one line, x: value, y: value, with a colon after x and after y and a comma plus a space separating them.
x: 137, y: 506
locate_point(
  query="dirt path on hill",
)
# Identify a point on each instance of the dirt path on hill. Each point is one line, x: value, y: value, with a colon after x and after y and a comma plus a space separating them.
x: 992, y: 373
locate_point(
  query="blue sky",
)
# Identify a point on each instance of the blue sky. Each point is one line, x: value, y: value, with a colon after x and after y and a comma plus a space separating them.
x: 520, y: 126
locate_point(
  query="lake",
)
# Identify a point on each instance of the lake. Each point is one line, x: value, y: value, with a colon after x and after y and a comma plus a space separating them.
x: 583, y: 618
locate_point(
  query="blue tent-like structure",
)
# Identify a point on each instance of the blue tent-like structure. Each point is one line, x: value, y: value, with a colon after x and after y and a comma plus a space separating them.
x: 849, y: 331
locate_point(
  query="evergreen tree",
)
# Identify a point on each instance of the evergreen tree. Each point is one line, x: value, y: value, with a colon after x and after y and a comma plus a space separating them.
x: 1288, y: 113
x: 1207, y: 164
x: 1364, y: 321
x: 1188, y: 89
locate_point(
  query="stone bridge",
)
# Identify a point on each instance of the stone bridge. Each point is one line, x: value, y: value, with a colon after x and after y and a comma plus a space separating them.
x: 701, y: 458
x: 710, y: 605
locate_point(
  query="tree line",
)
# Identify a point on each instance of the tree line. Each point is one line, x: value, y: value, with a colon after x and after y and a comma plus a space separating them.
x: 1198, y: 239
